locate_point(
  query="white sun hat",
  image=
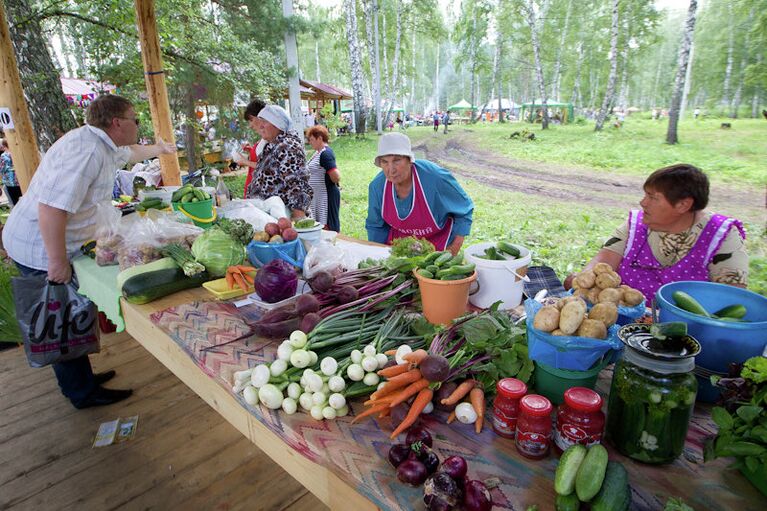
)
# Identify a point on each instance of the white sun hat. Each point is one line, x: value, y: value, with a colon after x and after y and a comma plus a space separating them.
x: 394, y: 143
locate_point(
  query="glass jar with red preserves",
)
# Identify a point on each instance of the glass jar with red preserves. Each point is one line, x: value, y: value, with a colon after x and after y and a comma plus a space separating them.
x: 580, y: 419
x: 506, y: 406
x: 533, y: 437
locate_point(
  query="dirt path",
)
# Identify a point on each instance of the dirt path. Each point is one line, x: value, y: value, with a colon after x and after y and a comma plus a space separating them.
x: 568, y: 184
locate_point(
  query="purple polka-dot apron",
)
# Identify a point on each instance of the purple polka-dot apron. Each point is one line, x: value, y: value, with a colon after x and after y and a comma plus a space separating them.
x: 642, y: 271
x: 419, y: 222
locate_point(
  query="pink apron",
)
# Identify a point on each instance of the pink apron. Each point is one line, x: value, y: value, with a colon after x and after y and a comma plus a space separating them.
x: 419, y: 222
x: 641, y: 270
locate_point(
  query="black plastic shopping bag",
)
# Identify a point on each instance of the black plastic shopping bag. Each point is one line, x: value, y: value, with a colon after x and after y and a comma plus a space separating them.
x: 56, y: 322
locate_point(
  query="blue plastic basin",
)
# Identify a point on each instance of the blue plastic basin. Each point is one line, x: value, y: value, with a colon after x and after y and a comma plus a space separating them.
x: 722, y: 342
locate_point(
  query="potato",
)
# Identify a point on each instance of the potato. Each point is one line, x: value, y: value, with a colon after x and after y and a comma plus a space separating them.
x: 592, y: 295
x: 581, y: 293
x: 592, y: 328
x: 558, y: 333
x: 611, y: 295
x: 567, y: 299
x: 546, y: 319
x: 606, y: 312
x: 586, y: 279
x: 632, y: 297
x: 608, y: 279
x: 571, y: 316
x: 602, y: 268
x: 261, y: 236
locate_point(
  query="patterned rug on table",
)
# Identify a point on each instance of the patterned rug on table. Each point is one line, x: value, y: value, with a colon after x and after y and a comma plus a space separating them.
x: 218, y: 337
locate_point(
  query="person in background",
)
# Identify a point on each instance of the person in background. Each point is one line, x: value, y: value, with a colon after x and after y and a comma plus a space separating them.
x: 58, y: 214
x: 254, y: 123
x: 281, y: 168
x: 445, y: 120
x: 418, y: 198
x: 10, y: 183
x: 672, y: 238
x: 435, y: 121
x: 324, y: 178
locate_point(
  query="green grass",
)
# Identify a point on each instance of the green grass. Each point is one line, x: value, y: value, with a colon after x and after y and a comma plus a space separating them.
x: 560, y: 234
x: 736, y: 156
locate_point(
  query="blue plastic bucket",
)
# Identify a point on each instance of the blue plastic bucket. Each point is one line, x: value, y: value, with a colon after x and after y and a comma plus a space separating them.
x: 260, y: 253
x: 722, y: 342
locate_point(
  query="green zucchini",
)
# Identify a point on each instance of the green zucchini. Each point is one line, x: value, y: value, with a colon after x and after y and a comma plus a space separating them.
x: 567, y: 503
x: 663, y: 331
x: 146, y: 287
x: 591, y: 473
x: 615, y: 494
x: 508, y: 248
x: 166, y: 263
x: 688, y: 303
x: 564, y: 478
x: 736, y: 311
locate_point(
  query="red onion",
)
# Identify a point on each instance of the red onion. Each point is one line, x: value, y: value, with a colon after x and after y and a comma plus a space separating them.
x: 418, y: 434
x: 455, y: 466
x: 412, y: 472
x: 476, y: 497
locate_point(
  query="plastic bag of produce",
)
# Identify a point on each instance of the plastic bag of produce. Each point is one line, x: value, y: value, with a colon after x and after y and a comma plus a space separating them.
x: 56, y: 322
x: 323, y: 256
x: 247, y: 211
x: 141, y: 244
x: 108, y: 237
x: 568, y: 352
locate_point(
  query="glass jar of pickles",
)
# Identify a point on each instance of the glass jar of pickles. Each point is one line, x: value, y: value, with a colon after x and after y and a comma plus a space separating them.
x: 652, y: 395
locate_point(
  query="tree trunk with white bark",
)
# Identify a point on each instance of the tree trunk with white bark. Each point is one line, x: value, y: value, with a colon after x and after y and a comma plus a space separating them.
x: 394, y: 85
x: 370, y: 9
x: 531, y: 21
x: 610, y: 92
x: 555, y: 83
x: 684, y: 58
x: 730, y: 49
x: 355, y: 63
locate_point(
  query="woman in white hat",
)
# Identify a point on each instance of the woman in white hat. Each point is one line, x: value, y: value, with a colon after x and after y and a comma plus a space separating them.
x: 281, y: 168
x: 415, y: 198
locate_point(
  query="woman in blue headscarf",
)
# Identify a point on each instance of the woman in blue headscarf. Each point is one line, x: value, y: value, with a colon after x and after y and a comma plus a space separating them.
x: 281, y: 169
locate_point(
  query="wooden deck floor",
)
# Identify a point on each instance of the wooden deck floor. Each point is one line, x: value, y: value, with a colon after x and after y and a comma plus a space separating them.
x: 184, y: 455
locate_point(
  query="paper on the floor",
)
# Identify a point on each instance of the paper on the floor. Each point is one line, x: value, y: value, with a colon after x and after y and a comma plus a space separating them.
x: 116, y: 431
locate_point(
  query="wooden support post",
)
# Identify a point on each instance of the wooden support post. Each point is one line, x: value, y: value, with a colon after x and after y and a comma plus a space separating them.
x: 154, y: 75
x: 21, y: 138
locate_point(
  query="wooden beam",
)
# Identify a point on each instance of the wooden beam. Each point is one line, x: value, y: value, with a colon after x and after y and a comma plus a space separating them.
x: 21, y: 139
x: 154, y: 75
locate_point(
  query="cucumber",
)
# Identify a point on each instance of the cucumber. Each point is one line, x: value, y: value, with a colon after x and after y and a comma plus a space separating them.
x: 443, y: 258
x: 166, y: 263
x: 508, y: 248
x: 426, y: 274
x: 564, y: 478
x: 591, y: 473
x: 663, y: 331
x: 567, y: 503
x: 146, y: 287
x: 736, y: 311
x: 615, y: 494
x: 688, y: 303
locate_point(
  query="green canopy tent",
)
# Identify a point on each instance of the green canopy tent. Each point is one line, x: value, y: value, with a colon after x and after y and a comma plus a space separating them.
x: 529, y: 109
x: 462, y: 105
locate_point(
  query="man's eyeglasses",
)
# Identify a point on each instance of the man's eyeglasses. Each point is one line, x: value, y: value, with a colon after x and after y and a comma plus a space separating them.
x: 134, y: 119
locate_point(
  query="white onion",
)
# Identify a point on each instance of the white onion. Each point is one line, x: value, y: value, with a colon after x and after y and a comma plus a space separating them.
x: 294, y: 390
x: 305, y: 400
x: 316, y: 412
x: 465, y: 413
x: 329, y: 413
x: 382, y: 360
x: 289, y: 405
x: 371, y: 379
x: 369, y: 364
x: 270, y: 396
x: 260, y: 375
x: 329, y: 366
x: 355, y: 372
x: 369, y: 351
x: 284, y: 350
x: 401, y: 352
x: 278, y: 367
x: 300, y: 358
x: 356, y: 356
x: 298, y: 339
x: 250, y: 393
x: 336, y: 383
x: 319, y: 398
x: 336, y: 401
x: 343, y: 411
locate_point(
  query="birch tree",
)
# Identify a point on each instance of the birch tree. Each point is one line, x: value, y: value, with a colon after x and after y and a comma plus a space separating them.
x: 355, y: 65
x: 394, y: 83
x: 370, y: 10
x: 529, y: 10
x: 555, y: 82
x: 607, y: 101
x: 684, y: 57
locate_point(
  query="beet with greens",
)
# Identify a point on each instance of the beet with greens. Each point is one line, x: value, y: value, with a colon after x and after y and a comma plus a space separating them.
x: 435, y: 368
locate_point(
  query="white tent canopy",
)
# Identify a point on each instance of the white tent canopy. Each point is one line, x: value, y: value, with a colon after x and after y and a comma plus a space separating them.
x: 506, y: 104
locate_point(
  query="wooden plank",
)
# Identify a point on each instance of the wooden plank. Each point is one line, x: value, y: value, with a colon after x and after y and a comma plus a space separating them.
x: 21, y: 139
x: 327, y: 486
x: 154, y: 75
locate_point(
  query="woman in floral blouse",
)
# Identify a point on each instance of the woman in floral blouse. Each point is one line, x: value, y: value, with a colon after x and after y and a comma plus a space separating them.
x: 281, y: 169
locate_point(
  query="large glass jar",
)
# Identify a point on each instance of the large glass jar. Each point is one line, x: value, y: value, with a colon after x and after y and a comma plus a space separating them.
x: 650, y: 406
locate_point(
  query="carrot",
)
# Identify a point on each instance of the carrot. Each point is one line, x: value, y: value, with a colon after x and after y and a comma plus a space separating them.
x: 477, y: 399
x: 384, y: 413
x: 451, y: 417
x: 390, y: 353
x: 416, y: 357
x: 369, y: 412
x: 240, y: 281
x: 397, y: 383
x: 229, y: 280
x: 406, y: 377
x: 459, y: 392
x: 384, y: 400
x: 248, y: 278
x: 422, y: 399
x: 409, y: 391
x: 388, y: 372
x: 244, y: 269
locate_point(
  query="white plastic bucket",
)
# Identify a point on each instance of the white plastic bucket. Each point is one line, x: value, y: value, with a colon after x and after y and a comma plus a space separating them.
x: 310, y: 235
x: 496, y: 278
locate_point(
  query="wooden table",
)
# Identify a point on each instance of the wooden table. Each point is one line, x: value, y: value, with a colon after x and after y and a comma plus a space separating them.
x: 324, y: 484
